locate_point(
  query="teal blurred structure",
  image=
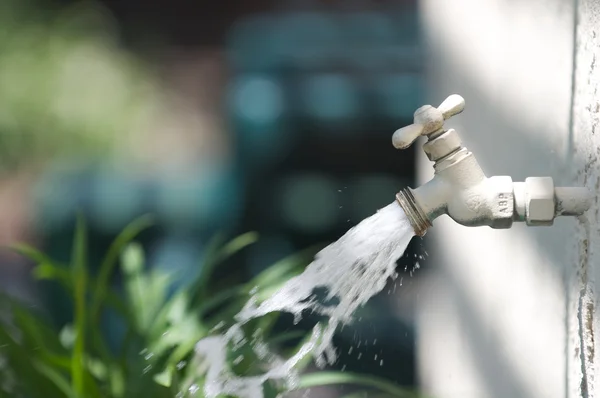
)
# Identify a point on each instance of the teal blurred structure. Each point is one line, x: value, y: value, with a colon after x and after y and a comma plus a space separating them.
x: 312, y: 100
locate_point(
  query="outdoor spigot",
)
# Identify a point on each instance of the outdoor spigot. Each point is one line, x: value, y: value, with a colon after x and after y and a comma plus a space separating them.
x: 461, y: 189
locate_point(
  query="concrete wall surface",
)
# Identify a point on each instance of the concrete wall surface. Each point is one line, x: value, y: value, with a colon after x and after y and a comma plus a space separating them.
x: 512, y: 313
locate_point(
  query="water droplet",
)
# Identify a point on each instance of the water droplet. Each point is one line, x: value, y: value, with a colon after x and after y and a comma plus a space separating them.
x: 217, y: 327
x: 193, y: 389
x: 237, y: 360
x: 375, y: 357
x: 254, y: 290
x: 147, y: 369
x: 181, y: 365
x: 381, y: 363
x: 344, y: 368
x: 374, y: 341
x: 350, y: 350
x: 297, y: 318
x: 148, y: 356
x: 359, y: 355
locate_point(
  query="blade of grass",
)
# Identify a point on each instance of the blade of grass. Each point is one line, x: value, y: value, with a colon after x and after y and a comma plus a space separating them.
x: 80, y: 277
x: 110, y: 260
x: 217, y: 254
x: 55, y: 377
x: 210, y: 256
x: 34, y: 331
x: 220, y: 298
x: 329, y: 378
x: 31, y: 252
x: 287, y: 336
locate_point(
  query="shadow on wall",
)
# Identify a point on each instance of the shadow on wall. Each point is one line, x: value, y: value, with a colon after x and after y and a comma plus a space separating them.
x: 549, y: 246
x: 510, y: 144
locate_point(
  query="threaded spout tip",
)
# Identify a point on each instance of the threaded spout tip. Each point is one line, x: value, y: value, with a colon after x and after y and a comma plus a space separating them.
x: 417, y: 217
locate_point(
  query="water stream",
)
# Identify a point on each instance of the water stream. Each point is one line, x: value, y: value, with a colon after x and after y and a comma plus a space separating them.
x: 351, y: 270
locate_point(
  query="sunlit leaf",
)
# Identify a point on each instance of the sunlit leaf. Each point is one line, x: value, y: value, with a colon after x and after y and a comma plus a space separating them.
x: 165, y: 377
x: 67, y: 336
x: 97, y: 368
x: 133, y: 259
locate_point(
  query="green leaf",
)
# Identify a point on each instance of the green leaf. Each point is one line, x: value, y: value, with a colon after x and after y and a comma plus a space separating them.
x: 236, y: 245
x: 130, y: 232
x: 50, y: 271
x: 32, y: 253
x: 221, y: 298
x: 97, y: 368
x: 133, y: 259
x: 79, y: 268
x: 329, y: 378
x: 165, y: 377
x: 117, y: 382
x: 34, y: 331
x: 67, y: 336
x: 283, y: 337
x: 216, y: 255
x: 59, y: 380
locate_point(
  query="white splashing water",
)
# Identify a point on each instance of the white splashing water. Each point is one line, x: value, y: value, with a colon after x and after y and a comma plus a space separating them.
x: 352, y: 270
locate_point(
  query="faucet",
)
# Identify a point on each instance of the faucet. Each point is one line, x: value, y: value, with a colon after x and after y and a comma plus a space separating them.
x: 461, y: 189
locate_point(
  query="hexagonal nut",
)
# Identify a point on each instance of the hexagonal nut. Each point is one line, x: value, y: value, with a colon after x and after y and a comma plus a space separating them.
x: 539, y: 201
x: 443, y: 145
x: 502, y: 206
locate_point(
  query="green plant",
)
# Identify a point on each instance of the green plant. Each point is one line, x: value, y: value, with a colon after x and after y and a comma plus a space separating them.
x: 74, y: 360
x: 66, y: 87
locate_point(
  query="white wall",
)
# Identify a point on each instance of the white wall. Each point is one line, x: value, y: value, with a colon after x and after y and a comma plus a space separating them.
x: 500, y: 316
x: 586, y: 148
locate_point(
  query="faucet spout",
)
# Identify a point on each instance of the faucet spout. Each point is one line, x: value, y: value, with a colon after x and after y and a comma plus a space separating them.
x: 461, y: 190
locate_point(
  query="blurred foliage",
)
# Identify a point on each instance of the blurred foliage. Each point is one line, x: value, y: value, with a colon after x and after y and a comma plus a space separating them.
x: 155, y: 359
x: 66, y: 88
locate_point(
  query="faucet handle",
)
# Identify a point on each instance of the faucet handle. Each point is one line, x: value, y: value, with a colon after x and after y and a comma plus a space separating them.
x: 427, y: 120
x: 453, y: 105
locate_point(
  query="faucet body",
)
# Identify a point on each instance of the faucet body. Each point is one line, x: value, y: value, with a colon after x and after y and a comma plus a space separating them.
x: 461, y: 189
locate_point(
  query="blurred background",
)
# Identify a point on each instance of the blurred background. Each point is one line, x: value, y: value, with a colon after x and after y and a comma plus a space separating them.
x: 276, y: 117
x: 224, y: 116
